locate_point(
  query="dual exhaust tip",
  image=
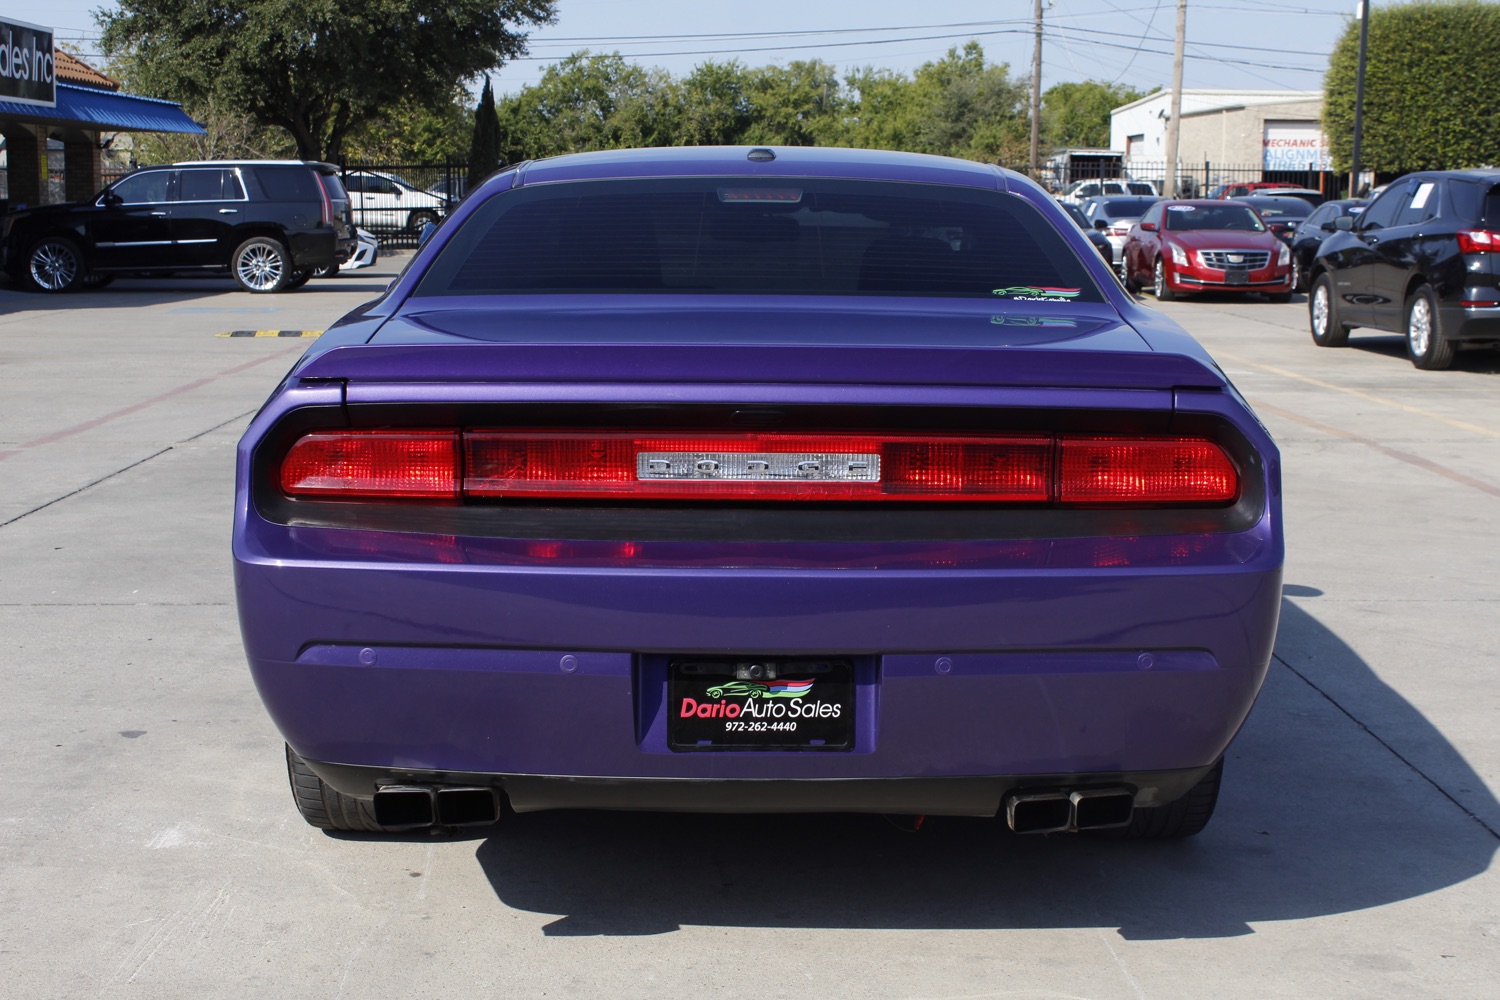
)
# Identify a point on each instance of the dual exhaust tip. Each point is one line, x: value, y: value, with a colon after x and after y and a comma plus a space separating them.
x: 1070, y: 811
x: 417, y: 807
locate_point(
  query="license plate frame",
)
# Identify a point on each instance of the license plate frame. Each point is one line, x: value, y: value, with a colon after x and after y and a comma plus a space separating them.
x: 1236, y: 277
x: 720, y: 704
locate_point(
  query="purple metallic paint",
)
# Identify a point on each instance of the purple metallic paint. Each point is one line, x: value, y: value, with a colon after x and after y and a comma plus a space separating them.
x: 1056, y: 664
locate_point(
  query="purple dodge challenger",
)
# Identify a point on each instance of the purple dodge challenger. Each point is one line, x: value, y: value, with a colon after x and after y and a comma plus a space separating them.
x: 733, y: 479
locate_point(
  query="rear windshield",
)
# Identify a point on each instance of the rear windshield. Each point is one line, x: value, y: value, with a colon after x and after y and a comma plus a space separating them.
x: 798, y: 236
x: 1140, y: 187
x: 1230, y: 217
x: 1281, y: 207
x: 289, y: 183
x: 1134, y: 207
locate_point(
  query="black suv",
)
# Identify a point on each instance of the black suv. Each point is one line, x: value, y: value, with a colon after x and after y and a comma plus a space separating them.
x: 1420, y: 260
x: 270, y: 223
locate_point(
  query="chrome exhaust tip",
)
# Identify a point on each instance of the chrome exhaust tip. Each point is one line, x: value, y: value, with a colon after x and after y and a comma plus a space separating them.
x: 1039, y: 812
x: 467, y: 806
x: 1102, y: 808
x: 404, y: 807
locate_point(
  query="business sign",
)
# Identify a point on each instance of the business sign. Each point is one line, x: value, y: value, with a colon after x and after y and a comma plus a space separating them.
x: 27, y: 74
x: 1295, y: 146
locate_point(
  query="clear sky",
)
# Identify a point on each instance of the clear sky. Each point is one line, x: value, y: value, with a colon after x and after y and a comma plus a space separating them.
x: 1232, y: 44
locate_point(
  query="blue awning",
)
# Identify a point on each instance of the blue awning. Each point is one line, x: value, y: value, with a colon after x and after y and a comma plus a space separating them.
x: 104, y: 111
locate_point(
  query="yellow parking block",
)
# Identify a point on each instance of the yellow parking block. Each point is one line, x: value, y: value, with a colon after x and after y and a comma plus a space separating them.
x: 272, y: 333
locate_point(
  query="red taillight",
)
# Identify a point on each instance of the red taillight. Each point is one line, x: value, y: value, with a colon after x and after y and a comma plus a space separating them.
x: 757, y: 466
x: 376, y: 464
x: 327, y: 202
x: 1147, y: 470
x: 1478, y: 241
x: 1029, y: 468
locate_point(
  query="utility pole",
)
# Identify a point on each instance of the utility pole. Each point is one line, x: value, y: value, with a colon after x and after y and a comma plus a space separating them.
x: 1036, y: 94
x: 1174, y: 124
x: 1363, y: 13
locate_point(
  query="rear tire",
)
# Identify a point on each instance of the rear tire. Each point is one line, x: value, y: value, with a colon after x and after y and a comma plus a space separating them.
x: 261, y: 264
x: 325, y: 807
x: 1184, y: 818
x: 1424, y: 332
x: 1323, y: 314
x: 420, y: 218
x: 298, y: 279
x: 329, y: 271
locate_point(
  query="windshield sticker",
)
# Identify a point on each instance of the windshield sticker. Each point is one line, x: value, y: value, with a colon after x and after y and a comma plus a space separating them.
x: 1037, y: 293
x: 1031, y: 321
x: 1182, y: 208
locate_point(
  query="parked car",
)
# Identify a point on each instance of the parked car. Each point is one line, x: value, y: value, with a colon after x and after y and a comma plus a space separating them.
x: 386, y: 203
x: 269, y: 223
x: 1313, y: 198
x: 366, y: 252
x: 1095, y: 236
x: 1114, y: 217
x: 1281, y: 215
x: 1313, y: 230
x: 1082, y: 191
x: 1421, y: 261
x: 1185, y: 247
x: 1229, y: 191
x: 873, y: 435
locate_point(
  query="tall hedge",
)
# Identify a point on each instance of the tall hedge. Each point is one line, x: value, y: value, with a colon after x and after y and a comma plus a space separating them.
x: 1431, y: 101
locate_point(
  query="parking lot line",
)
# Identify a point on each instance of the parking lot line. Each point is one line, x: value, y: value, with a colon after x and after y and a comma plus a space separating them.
x: 1404, y: 407
x: 68, y: 432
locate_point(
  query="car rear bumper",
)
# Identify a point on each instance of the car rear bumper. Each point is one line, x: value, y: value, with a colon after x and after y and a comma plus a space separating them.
x: 971, y: 796
x: 562, y: 671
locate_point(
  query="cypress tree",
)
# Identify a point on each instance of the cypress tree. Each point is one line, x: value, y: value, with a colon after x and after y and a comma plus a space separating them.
x: 484, y: 148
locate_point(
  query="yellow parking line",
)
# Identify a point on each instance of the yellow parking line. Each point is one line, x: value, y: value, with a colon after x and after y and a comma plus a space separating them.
x: 1462, y: 425
x: 271, y: 333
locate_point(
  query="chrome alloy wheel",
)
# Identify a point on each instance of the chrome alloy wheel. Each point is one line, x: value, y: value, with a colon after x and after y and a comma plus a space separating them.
x: 1419, y: 327
x: 259, y: 267
x: 1320, y: 311
x: 54, y: 266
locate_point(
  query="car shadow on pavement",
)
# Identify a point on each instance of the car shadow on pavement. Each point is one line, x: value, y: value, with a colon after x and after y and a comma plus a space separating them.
x: 129, y: 293
x: 1483, y: 360
x: 1319, y: 816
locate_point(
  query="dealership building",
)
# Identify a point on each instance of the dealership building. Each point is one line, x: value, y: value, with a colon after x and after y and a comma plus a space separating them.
x: 1278, y: 131
x: 53, y: 103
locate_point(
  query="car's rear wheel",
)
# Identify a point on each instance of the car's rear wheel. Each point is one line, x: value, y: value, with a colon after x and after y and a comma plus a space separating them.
x: 325, y: 807
x: 1424, y: 333
x: 1184, y: 818
x: 327, y: 271
x: 261, y: 264
x: 1298, y: 278
x: 1159, y: 286
x: 54, y: 264
x: 298, y: 279
x: 1323, y: 314
x: 417, y: 220
x: 1128, y: 278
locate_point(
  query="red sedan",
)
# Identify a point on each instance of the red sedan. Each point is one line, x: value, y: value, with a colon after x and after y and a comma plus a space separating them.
x: 1183, y: 247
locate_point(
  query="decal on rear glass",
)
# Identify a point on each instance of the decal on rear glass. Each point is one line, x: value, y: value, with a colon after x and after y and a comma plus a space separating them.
x: 1037, y: 293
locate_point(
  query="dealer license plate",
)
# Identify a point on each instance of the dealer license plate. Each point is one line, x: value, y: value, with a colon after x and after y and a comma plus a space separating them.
x: 771, y: 703
x: 1236, y: 277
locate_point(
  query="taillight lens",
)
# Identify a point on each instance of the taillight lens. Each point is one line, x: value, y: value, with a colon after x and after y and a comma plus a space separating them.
x: 1094, y: 470
x: 757, y: 466
x: 327, y: 202
x: 1478, y: 241
x: 373, y: 464
x: 1016, y: 468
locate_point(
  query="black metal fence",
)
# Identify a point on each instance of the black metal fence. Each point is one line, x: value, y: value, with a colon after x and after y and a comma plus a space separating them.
x: 395, y: 201
x: 1202, y: 180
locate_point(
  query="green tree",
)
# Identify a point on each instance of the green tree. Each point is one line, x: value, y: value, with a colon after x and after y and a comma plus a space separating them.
x: 484, y: 147
x: 412, y: 132
x: 1076, y: 115
x: 715, y: 104
x: 1429, y: 100
x: 320, y: 69
x: 588, y: 102
x: 799, y: 104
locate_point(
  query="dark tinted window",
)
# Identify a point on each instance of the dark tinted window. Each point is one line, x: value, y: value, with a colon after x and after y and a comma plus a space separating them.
x: 208, y: 184
x: 1382, y: 212
x: 1130, y: 208
x: 1421, y: 205
x: 1227, y: 217
x: 289, y: 183
x: 756, y: 236
x: 146, y: 188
